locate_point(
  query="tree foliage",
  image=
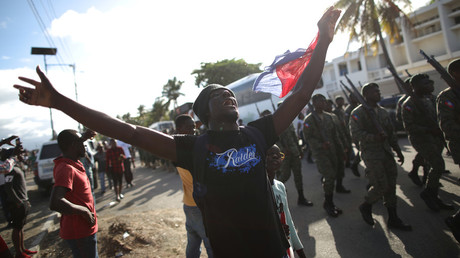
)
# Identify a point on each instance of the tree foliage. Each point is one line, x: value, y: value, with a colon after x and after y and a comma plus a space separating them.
x: 223, y: 72
x: 171, y: 91
x: 365, y: 20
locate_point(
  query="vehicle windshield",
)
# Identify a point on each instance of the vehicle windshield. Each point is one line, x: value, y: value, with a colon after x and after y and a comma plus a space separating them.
x: 50, y: 151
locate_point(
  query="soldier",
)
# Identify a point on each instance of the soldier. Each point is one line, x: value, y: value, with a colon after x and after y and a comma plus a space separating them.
x: 448, y: 111
x: 418, y: 160
x: 426, y: 138
x: 341, y: 153
x: 355, y: 159
x: 375, y: 145
x: 322, y: 135
x: 289, y: 145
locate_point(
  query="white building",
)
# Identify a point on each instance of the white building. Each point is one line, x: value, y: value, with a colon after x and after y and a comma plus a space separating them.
x: 435, y: 29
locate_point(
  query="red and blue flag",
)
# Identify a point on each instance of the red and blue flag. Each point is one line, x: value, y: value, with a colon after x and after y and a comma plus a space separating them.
x: 281, y: 76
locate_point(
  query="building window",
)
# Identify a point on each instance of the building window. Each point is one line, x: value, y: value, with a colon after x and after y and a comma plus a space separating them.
x: 343, y: 69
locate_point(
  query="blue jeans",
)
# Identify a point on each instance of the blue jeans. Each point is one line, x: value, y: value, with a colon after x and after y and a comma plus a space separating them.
x: 102, y: 180
x: 84, y: 247
x: 195, y: 233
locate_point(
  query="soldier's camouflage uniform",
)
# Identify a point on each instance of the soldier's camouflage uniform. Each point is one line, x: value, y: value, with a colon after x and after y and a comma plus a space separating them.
x: 377, y: 156
x: 289, y: 145
x: 448, y: 111
x: 326, y: 159
x: 418, y: 121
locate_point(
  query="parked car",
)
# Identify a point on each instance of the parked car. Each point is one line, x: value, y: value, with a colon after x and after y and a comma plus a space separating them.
x: 43, y: 175
x: 389, y: 104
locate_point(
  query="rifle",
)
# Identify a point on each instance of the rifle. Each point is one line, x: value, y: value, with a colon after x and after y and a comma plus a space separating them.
x: 408, y: 91
x: 258, y: 111
x: 345, y: 93
x: 408, y: 74
x: 444, y: 74
x: 370, y: 111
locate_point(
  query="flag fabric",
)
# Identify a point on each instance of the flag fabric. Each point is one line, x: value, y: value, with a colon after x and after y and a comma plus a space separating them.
x: 281, y: 76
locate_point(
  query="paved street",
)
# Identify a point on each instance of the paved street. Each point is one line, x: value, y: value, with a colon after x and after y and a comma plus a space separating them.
x: 345, y: 236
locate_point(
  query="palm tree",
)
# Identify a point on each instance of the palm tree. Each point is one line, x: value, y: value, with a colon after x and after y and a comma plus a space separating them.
x: 171, y: 91
x: 366, y: 19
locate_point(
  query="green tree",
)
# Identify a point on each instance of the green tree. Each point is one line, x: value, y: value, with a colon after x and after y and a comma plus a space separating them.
x: 159, y: 111
x: 171, y: 91
x: 366, y: 19
x: 223, y: 72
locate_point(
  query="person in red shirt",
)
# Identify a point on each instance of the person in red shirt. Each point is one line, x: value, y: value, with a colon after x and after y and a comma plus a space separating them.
x: 72, y: 197
x: 114, y: 158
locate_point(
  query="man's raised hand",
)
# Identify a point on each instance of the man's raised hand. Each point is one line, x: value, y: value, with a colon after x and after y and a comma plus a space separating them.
x: 326, y: 24
x: 41, y: 95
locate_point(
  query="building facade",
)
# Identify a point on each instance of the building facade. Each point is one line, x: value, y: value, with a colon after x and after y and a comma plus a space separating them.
x: 434, y: 28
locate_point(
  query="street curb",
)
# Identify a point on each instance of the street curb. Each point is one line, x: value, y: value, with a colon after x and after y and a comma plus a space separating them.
x: 49, y: 223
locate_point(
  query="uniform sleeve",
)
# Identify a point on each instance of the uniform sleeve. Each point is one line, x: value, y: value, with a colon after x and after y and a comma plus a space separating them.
x: 296, y: 243
x: 449, y: 120
x: 392, y: 137
x: 339, y: 135
x: 311, y: 133
x: 357, y: 128
x: 409, y: 117
x: 289, y: 141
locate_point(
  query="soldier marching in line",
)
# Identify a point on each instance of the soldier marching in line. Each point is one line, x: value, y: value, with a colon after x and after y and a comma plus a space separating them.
x: 322, y: 135
x: 419, y: 117
x: 448, y: 112
x: 375, y: 146
x: 418, y: 161
x: 354, y: 158
x: 342, y: 153
x: 289, y: 145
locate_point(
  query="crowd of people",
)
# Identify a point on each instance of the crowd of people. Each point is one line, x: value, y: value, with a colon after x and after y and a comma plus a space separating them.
x: 232, y: 200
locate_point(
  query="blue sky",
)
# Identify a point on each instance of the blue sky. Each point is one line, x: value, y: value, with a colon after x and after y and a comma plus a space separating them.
x: 126, y: 50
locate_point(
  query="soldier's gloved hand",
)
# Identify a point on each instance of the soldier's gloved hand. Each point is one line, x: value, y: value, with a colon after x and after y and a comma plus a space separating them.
x: 379, y: 137
x: 400, y: 157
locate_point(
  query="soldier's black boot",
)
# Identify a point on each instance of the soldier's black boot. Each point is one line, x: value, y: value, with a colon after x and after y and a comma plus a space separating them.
x: 453, y: 222
x: 413, y: 175
x: 366, y: 212
x: 330, y: 207
x: 442, y: 205
x: 395, y: 222
x: 429, y: 197
x: 302, y: 200
x: 339, y: 187
x: 354, y: 168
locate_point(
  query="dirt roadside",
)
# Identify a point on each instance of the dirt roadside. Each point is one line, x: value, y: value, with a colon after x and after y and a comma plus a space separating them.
x: 157, y: 233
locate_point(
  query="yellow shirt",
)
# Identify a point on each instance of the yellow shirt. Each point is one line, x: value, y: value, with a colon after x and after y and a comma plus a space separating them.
x: 187, y: 185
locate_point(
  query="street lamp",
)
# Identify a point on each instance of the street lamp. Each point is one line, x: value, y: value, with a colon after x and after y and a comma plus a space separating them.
x: 46, y: 51
x: 75, y: 84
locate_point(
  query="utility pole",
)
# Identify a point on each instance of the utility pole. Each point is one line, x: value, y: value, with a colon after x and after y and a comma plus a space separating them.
x: 46, y: 51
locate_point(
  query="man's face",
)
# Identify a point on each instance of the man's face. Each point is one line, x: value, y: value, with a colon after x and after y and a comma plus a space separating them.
x: 320, y: 104
x: 274, y: 157
x: 425, y: 86
x: 222, y: 106
x: 113, y: 143
x: 187, y: 128
x: 79, y: 147
x: 373, y: 94
x: 340, y: 102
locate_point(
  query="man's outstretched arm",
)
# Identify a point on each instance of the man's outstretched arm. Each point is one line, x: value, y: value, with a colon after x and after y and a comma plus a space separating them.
x: 310, y: 77
x: 43, y: 94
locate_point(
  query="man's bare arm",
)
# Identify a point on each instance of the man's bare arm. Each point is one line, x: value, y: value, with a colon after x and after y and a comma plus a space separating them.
x: 310, y: 77
x: 43, y: 94
x: 59, y: 203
